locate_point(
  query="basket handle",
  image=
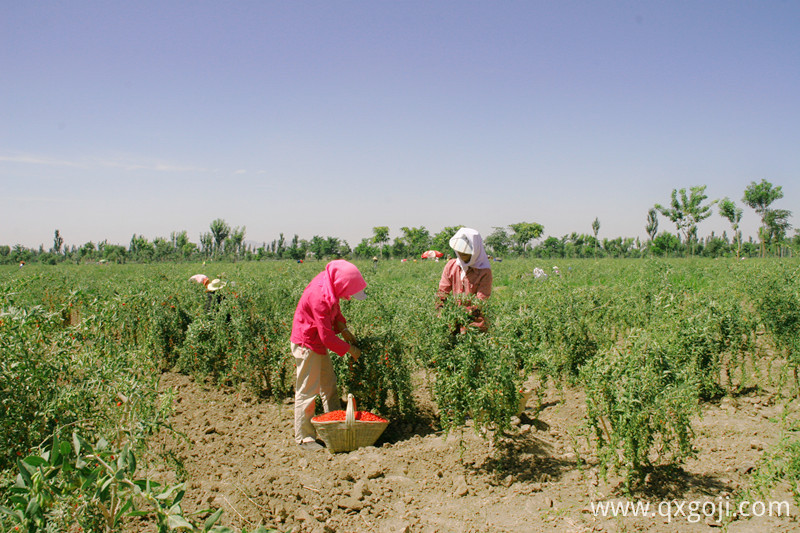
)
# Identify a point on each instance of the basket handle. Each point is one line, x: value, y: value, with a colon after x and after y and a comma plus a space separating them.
x: 350, y: 413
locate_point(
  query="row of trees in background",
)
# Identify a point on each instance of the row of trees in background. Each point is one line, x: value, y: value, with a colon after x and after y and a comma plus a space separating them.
x: 687, y: 209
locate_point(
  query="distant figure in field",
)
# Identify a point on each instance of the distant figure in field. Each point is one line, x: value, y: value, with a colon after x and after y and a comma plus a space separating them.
x: 212, y: 286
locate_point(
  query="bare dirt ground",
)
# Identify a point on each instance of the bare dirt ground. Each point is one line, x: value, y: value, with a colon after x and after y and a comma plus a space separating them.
x: 238, y: 453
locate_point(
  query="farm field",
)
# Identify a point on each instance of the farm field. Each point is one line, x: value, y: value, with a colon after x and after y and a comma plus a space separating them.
x: 661, y: 381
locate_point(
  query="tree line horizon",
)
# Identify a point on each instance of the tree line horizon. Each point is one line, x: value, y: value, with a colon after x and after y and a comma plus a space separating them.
x: 686, y: 210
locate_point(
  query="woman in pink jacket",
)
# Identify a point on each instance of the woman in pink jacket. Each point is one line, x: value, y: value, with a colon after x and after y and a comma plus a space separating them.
x: 318, y: 322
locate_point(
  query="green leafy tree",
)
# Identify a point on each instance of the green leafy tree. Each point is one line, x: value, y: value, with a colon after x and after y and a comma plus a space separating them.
x: 686, y: 211
x: 716, y: 246
x: 277, y: 247
x: 366, y: 249
x: 417, y: 240
x: 595, y: 231
x: 759, y: 197
x: 498, y: 242
x: 179, y: 241
x: 777, y: 221
x: 729, y: 210
x: 163, y: 249
x: 652, y: 223
x: 235, y: 242
x: 578, y: 244
x: 114, y: 253
x: 380, y: 236
x: 207, y: 243
x: 441, y: 241
x: 399, y: 248
x: 316, y: 246
x: 324, y: 247
x: 524, y: 233
x: 613, y: 247
x: 179, y: 238
x: 20, y: 253
x: 627, y: 245
x: 297, y: 249
x: 140, y: 249
x: 188, y: 250
x: 220, y: 230
x: 181, y: 244
x: 58, y: 242
x: 87, y: 251
x: 280, y: 246
x: 571, y: 248
x: 335, y: 247
x: 618, y: 247
x: 552, y: 247
x: 665, y: 244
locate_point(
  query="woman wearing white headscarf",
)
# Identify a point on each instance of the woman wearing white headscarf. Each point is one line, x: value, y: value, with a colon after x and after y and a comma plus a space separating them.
x: 469, y: 273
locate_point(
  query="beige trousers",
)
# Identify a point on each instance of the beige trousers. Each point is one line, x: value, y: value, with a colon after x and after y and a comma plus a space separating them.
x: 315, y: 377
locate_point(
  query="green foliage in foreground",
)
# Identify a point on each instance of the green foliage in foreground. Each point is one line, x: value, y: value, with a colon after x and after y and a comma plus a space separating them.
x: 95, y: 488
x: 782, y: 463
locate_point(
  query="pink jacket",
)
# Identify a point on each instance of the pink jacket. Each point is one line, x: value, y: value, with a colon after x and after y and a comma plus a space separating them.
x: 318, y: 311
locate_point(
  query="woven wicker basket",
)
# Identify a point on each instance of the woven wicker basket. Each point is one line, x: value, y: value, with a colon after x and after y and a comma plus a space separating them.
x: 351, y: 434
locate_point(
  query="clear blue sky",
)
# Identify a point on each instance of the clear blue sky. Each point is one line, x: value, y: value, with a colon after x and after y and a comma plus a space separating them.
x: 329, y: 118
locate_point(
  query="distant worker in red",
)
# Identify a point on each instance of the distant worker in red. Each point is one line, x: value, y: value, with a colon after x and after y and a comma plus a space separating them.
x: 318, y: 322
x: 470, y: 273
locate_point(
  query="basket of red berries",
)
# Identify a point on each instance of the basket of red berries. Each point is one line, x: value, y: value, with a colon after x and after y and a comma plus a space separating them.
x: 345, y: 431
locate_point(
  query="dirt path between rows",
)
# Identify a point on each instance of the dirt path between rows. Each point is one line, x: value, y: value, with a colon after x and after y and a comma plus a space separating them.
x: 237, y: 453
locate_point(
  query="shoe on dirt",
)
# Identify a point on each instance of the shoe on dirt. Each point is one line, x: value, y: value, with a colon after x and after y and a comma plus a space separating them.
x: 311, y: 446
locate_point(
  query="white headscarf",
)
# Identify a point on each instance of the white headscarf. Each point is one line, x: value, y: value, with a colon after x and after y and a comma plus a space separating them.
x: 469, y: 241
